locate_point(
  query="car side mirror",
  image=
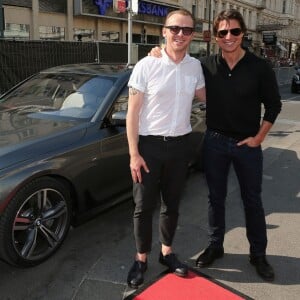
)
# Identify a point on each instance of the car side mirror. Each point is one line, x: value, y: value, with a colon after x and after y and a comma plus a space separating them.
x: 119, y: 118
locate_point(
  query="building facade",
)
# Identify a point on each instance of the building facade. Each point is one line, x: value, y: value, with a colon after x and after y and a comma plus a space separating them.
x: 273, y: 25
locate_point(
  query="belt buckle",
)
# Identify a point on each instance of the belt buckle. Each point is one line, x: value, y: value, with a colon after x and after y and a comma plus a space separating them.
x: 165, y: 138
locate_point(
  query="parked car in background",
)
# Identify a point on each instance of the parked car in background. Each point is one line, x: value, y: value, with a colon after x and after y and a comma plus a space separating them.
x: 64, y: 155
x: 295, y: 85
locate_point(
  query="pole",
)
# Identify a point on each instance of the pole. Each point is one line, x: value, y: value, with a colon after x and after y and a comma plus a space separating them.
x: 209, y: 27
x: 129, y: 9
x: 1, y: 20
x: 98, y: 53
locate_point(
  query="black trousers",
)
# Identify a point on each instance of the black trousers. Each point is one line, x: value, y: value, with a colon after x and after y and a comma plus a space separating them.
x: 220, y: 153
x: 168, y: 165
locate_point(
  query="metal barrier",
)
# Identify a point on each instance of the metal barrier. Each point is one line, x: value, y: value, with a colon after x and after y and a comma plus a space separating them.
x: 284, y: 74
x: 20, y: 59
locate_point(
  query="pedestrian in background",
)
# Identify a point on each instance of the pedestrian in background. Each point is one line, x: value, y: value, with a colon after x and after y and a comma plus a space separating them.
x: 161, y: 92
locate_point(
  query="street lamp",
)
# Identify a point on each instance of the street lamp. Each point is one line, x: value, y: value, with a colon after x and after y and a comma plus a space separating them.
x: 209, y: 28
x: 1, y: 20
x: 129, y: 11
x: 132, y: 7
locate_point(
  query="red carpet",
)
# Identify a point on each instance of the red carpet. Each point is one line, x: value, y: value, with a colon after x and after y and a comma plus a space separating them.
x: 193, y: 287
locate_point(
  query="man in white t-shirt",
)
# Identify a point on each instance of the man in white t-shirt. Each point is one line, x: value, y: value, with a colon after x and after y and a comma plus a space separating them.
x: 161, y: 92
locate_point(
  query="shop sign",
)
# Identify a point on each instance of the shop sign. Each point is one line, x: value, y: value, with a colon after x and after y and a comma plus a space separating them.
x: 269, y: 38
x: 119, y: 6
x: 103, y: 5
x: 147, y: 8
x: 152, y: 9
x: 206, y: 35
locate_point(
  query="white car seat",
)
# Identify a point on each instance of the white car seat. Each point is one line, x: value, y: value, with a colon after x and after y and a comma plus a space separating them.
x: 79, y: 105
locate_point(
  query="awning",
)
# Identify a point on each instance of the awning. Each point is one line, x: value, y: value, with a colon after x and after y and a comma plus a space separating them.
x: 281, y: 47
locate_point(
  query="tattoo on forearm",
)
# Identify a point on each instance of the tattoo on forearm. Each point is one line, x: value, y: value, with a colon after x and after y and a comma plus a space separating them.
x: 133, y: 91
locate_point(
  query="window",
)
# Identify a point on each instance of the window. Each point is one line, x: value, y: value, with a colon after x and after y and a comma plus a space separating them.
x: 16, y: 31
x: 136, y: 38
x: 144, y: 39
x: 52, y: 33
x: 110, y: 36
x: 152, y: 39
x: 284, y: 6
x: 207, y: 9
x: 250, y: 20
x: 194, y: 11
x: 81, y: 34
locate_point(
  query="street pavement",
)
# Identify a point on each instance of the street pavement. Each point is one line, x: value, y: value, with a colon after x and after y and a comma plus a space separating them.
x: 94, y: 260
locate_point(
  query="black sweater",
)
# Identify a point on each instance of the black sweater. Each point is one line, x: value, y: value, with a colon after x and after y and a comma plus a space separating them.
x: 235, y: 97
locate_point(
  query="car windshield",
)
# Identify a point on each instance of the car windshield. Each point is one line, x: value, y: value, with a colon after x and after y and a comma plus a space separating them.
x: 66, y: 95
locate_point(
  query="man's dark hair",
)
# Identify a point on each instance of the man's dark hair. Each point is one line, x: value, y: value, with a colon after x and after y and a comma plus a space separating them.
x: 227, y: 15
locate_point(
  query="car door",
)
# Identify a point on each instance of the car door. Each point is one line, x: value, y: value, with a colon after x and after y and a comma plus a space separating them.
x: 109, y: 174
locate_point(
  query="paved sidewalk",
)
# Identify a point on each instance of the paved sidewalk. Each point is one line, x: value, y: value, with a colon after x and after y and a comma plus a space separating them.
x: 281, y: 194
x: 94, y: 260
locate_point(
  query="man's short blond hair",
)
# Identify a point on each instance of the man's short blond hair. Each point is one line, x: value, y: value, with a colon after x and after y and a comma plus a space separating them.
x: 181, y: 11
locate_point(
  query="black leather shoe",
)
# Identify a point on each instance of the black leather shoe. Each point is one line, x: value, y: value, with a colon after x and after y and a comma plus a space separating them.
x: 263, y: 268
x: 208, y: 256
x: 136, y: 274
x: 172, y: 262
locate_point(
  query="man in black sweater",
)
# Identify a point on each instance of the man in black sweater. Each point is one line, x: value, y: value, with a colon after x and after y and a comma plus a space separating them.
x: 237, y: 84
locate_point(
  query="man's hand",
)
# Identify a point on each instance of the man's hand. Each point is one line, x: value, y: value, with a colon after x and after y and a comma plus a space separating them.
x: 259, y: 137
x: 136, y: 163
x: 156, y: 52
x: 250, y: 141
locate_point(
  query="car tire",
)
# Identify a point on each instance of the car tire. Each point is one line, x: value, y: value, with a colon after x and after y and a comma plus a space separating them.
x: 35, y: 222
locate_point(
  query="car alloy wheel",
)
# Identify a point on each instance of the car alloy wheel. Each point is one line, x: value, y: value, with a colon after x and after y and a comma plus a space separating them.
x: 35, y: 222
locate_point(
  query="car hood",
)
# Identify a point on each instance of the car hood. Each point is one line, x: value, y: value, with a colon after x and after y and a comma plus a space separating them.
x: 24, y: 136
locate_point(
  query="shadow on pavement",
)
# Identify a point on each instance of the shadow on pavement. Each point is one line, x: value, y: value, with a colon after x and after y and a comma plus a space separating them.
x: 97, y: 255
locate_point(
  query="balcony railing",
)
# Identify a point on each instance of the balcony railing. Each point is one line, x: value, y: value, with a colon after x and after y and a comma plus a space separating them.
x: 269, y: 27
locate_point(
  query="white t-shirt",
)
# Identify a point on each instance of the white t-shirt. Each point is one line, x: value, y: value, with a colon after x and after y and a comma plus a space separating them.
x: 169, y: 91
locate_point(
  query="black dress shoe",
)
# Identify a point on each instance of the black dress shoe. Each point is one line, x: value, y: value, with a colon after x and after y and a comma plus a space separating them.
x: 263, y: 268
x: 136, y: 274
x: 174, y: 265
x: 208, y: 256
